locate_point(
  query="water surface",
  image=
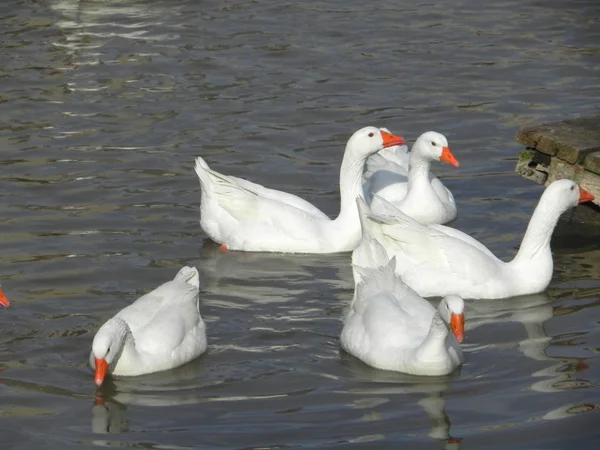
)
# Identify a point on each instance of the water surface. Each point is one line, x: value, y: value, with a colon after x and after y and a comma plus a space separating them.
x: 105, y: 104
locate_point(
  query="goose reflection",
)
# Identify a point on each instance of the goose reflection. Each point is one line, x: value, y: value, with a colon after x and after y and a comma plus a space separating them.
x: 181, y: 386
x: 286, y: 275
x: 383, y: 383
x: 108, y: 417
x: 530, y: 310
x: 533, y: 311
x: 89, y: 25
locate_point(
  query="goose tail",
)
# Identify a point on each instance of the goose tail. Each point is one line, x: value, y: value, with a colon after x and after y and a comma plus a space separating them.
x: 188, y: 275
x: 377, y: 280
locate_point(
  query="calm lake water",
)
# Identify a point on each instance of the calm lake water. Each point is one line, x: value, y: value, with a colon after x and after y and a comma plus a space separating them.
x: 105, y: 104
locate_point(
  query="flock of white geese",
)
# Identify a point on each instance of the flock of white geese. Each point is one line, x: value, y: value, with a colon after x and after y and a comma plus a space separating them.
x: 391, y: 215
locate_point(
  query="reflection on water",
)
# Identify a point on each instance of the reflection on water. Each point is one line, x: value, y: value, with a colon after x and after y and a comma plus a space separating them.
x: 106, y: 103
x: 532, y: 311
x: 181, y: 386
x: 108, y: 417
x: 379, y: 386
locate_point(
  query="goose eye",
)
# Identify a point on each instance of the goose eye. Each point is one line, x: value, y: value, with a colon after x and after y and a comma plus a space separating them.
x: 572, y: 188
x: 371, y: 134
x: 433, y: 143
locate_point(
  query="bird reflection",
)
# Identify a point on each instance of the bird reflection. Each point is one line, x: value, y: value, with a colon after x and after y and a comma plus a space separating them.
x: 265, y: 277
x: 108, y: 416
x: 181, y: 386
x: 386, y: 383
x: 530, y: 310
x: 533, y: 311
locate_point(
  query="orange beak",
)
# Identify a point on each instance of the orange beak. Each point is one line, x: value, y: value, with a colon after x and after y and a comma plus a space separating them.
x: 457, y: 325
x: 584, y: 196
x: 448, y: 157
x: 389, y: 140
x: 101, y: 369
x: 3, y: 300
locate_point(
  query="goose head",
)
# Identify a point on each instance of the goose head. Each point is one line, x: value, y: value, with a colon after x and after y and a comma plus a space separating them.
x: 452, y: 311
x: 107, y: 346
x: 3, y: 300
x: 369, y: 140
x: 565, y: 194
x: 434, y: 146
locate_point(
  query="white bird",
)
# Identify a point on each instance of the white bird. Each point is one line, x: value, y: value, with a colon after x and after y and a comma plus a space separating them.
x: 436, y: 260
x: 245, y: 216
x: 159, y: 331
x: 391, y: 327
x: 403, y: 178
x: 369, y: 253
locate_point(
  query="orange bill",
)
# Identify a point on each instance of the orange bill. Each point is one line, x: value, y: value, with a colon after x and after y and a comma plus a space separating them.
x: 101, y: 369
x: 457, y: 325
x: 389, y: 140
x: 584, y: 196
x: 3, y: 300
x: 448, y: 157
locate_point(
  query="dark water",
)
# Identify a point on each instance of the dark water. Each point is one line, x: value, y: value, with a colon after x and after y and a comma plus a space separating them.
x: 105, y: 104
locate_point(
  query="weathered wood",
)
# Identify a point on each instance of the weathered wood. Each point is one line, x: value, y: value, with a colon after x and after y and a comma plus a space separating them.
x: 568, y: 149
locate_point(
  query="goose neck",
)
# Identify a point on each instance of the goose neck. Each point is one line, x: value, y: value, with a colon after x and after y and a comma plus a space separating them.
x: 351, y: 185
x: 536, y: 241
x: 418, y: 171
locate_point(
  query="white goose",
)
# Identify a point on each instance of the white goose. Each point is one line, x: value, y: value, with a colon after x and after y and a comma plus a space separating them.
x: 161, y: 330
x: 245, y: 216
x: 403, y: 179
x: 391, y: 327
x: 436, y: 260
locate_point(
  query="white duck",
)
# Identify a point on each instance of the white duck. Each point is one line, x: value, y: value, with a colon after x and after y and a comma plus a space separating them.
x: 403, y: 179
x: 245, y: 216
x: 436, y: 260
x: 161, y: 330
x: 391, y: 327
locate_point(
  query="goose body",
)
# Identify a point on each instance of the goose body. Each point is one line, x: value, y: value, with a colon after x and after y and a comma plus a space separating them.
x: 242, y: 215
x: 390, y: 327
x: 436, y: 260
x: 403, y: 179
x: 161, y: 330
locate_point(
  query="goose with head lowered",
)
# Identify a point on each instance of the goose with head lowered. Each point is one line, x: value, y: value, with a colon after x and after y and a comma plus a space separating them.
x: 159, y: 331
x: 390, y: 327
x: 245, y: 216
x: 436, y: 260
x: 404, y: 179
